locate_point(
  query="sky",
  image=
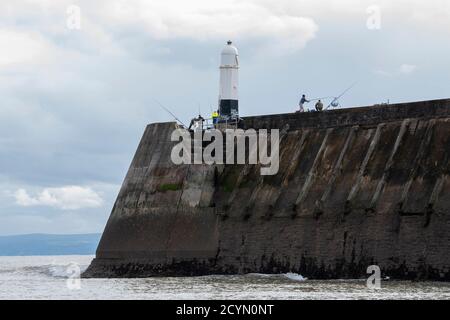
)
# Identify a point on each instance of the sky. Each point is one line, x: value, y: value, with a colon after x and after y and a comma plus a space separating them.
x: 79, y: 80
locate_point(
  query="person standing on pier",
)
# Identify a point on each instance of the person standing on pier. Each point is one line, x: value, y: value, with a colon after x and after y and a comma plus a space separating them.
x: 303, y: 100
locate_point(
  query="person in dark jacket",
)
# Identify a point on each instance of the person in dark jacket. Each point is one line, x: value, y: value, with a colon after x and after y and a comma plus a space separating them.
x: 197, y: 123
x: 303, y: 100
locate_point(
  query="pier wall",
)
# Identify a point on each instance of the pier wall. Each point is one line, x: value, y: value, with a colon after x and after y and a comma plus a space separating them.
x: 355, y: 187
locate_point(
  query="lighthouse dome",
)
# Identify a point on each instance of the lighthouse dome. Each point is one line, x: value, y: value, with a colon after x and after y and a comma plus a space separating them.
x: 229, y: 55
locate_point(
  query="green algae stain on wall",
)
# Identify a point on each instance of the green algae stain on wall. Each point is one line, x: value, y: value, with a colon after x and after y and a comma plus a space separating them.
x: 169, y: 187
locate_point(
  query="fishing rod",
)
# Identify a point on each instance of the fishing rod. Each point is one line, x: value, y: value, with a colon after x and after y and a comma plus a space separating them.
x: 335, y: 102
x: 168, y: 111
x: 315, y: 99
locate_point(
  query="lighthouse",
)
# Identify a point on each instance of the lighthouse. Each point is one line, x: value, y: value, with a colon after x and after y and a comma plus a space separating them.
x: 228, y: 87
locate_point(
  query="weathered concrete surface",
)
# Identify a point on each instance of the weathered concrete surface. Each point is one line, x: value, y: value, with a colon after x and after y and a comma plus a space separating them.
x: 356, y: 187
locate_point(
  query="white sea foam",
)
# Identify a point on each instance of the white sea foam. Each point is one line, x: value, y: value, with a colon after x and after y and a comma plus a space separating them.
x: 289, y: 275
x: 57, y: 271
x: 295, y: 276
x: 261, y: 275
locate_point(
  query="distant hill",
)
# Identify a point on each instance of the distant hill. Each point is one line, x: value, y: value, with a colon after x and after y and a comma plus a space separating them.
x: 49, y: 244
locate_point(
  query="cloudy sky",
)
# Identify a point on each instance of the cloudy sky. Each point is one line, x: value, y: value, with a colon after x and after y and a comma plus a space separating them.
x: 77, y: 90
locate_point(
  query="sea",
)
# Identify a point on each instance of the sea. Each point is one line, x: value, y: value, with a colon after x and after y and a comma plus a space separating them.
x: 57, y: 277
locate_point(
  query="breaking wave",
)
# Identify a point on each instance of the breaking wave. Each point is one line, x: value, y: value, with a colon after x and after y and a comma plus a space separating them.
x: 295, y: 276
x: 289, y: 275
x: 54, y: 271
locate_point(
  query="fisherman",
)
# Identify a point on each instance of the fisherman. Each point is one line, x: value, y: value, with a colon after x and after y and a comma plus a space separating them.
x: 303, y: 100
x: 215, y: 116
x: 319, y: 105
x: 197, y: 123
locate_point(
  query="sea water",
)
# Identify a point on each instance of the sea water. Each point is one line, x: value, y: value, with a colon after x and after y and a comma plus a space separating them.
x: 55, y: 277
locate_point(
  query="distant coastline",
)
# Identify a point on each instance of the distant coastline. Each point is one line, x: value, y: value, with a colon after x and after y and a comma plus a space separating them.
x: 49, y: 244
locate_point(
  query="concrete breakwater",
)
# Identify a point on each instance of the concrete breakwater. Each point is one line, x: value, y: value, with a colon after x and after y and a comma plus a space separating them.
x: 355, y: 187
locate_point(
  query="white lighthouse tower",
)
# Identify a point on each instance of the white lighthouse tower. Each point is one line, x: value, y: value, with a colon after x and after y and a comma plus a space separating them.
x: 228, y: 91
